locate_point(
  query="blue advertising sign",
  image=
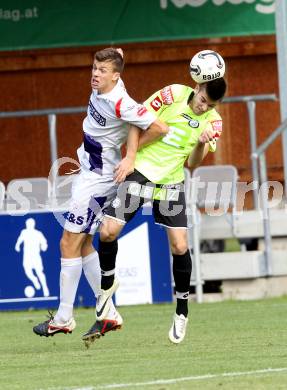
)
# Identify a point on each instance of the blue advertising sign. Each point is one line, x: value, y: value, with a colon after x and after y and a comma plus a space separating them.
x: 30, y: 263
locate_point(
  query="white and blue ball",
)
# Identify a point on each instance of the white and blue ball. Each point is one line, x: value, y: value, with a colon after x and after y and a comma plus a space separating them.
x: 206, y: 65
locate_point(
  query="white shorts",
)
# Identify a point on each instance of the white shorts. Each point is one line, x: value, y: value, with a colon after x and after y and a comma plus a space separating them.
x: 90, y: 196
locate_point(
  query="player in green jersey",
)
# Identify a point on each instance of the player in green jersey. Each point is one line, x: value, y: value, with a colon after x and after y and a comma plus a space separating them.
x: 194, y: 127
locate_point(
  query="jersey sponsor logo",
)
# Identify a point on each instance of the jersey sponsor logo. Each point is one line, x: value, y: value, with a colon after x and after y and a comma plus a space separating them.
x: 141, y: 110
x: 217, y: 127
x: 73, y: 219
x: 156, y: 103
x: 96, y: 115
x: 191, y: 122
x: 166, y: 94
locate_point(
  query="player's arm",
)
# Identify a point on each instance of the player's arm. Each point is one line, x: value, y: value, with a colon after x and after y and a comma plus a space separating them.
x: 126, y: 165
x: 136, y: 139
x: 205, y: 143
x: 155, y: 131
x: 138, y: 117
x: 198, y: 154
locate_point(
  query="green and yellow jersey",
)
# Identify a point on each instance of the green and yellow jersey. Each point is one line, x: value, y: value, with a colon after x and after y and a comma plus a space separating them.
x: 162, y: 162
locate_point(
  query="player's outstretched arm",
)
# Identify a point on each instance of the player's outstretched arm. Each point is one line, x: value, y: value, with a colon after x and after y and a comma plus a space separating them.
x: 156, y: 130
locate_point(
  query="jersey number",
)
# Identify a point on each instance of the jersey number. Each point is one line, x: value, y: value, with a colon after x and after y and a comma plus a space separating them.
x: 175, y: 137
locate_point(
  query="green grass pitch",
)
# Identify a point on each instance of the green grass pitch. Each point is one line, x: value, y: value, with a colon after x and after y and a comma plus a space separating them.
x: 229, y: 345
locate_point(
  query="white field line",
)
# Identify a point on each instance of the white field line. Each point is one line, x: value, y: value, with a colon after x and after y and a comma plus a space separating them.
x: 174, y: 380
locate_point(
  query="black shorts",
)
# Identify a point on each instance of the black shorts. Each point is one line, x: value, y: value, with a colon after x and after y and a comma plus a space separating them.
x: 168, y: 201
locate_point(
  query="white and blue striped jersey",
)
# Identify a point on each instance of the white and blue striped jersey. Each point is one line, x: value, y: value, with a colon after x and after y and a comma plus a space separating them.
x: 106, y: 128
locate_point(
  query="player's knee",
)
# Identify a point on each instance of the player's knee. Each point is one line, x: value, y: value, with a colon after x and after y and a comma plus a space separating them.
x: 87, y: 248
x: 110, y: 231
x: 179, y: 248
x: 66, y: 246
x: 64, y: 242
x: 69, y: 245
x: 108, y: 235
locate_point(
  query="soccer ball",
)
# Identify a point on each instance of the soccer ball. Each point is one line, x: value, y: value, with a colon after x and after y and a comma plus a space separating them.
x: 206, y: 65
x: 29, y: 291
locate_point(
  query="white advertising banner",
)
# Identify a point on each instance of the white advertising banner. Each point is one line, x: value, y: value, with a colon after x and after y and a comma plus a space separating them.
x: 133, y: 268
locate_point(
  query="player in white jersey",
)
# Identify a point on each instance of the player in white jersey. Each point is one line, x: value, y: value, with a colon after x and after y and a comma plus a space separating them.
x: 106, y: 128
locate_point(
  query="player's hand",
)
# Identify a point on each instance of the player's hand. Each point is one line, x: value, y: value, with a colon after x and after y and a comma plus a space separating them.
x: 207, y: 135
x: 123, y: 169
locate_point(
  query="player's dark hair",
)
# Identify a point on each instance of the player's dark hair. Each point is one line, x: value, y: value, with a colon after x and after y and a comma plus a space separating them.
x: 110, y: 54
x: 216, y: 89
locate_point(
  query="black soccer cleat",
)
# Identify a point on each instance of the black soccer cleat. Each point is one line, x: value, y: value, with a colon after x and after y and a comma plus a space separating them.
x: 50, y: 327
x: 100, y: 328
